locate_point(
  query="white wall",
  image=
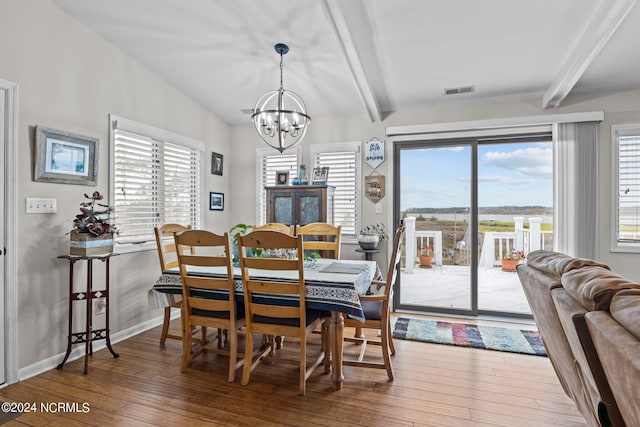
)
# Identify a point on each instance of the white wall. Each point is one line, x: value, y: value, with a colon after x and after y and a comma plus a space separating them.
x: 70, y: 79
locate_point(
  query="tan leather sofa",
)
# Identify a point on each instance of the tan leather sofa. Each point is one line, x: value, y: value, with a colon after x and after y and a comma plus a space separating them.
x: 590, y: 326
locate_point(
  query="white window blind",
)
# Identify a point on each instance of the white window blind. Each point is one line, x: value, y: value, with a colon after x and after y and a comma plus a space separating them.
x: 154, y: 182
x: 627, y: 188
x: 269, y: 162
x: 344, y: 162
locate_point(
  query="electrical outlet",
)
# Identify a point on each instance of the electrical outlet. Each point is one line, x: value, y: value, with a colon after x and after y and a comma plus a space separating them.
x: 100, y: 306
x: 379, y: 207
x: 39, y: 205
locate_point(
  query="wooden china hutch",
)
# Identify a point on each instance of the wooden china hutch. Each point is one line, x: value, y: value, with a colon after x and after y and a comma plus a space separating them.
x: 300, y: 204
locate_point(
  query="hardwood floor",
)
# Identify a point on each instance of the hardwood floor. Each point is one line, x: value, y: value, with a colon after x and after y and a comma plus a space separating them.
x: 435, y: 385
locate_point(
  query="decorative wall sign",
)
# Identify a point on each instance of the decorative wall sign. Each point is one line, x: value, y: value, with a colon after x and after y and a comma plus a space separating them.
x: 374, y: 187
x: 374, y: 152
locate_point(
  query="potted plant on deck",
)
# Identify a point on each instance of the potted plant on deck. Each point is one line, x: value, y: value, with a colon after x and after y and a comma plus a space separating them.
x: 511, y: 260
x: 371, y: 235
x: 426, y: 255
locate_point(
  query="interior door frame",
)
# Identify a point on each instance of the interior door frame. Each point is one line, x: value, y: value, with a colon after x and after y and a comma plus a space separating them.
x: 9, y: 240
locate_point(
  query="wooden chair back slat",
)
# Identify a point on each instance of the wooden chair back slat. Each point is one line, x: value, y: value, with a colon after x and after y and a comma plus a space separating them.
x: 275, y: 226
x: 321, y: 236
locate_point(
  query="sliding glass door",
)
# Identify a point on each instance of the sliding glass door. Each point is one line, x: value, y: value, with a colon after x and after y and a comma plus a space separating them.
x: 436, y: 205
x: 467, y: 204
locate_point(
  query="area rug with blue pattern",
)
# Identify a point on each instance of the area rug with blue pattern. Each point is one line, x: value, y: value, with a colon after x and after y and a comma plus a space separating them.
x: 511, y: 340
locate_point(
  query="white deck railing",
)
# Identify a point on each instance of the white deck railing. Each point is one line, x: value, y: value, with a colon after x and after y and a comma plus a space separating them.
x: 494, y: 245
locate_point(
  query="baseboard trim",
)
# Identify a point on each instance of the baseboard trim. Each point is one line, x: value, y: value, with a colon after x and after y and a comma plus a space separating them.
x: 78, y: 351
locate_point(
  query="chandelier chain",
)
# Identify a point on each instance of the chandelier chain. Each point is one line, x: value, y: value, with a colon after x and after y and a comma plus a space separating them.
x: 281, y: 68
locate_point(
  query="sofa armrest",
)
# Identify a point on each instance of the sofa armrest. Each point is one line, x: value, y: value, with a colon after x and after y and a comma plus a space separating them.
x: 618, y: 350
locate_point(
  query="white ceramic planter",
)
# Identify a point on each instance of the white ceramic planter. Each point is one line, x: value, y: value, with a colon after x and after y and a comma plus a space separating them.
x: 368, y: 241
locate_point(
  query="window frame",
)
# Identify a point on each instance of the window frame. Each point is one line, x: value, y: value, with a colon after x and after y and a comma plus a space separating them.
x: 617, y: 131
x: 127, y: 125
x: 261, y: 193
x: 355, y: 146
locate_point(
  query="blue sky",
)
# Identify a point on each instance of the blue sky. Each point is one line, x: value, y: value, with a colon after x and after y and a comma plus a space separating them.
x: 514, y: 174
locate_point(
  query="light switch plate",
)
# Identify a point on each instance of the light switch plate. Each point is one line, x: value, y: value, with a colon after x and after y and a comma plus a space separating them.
x: 379, y: 207
x: 39, y: 205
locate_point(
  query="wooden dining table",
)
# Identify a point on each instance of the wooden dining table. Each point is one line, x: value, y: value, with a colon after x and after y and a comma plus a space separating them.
x: 330, y: 285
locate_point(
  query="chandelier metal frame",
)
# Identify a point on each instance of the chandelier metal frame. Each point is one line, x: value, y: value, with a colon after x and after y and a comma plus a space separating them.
x: 280, y: 116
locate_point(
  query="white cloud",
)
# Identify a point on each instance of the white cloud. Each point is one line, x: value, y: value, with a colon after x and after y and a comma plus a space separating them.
x: 535, y: 161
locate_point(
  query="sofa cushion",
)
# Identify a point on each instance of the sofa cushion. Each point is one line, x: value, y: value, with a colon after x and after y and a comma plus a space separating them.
x: 594, y: 286
x: 625, y: 309
x: 557, y: 263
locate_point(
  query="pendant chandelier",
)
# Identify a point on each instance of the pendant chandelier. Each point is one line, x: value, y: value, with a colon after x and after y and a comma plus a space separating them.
x: 280, y: 116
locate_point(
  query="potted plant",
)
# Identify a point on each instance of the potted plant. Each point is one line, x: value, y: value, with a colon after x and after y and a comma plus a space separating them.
x: 371, y: 235
x: 426, y: 255
x: 92, y: 232
x: 511, y: 260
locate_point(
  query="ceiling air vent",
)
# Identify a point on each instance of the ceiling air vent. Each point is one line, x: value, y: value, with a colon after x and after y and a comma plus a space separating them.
x: 458, y: 90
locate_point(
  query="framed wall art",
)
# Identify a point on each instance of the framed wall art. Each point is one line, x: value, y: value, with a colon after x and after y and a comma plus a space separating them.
x: 320, y: 176
x: 216, y: 201
x: 65, y: 158
x: 216, y: 163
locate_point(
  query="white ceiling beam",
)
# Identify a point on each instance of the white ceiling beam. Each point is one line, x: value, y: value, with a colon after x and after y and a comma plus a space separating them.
x: 353, y: 30
x: 604, y: 24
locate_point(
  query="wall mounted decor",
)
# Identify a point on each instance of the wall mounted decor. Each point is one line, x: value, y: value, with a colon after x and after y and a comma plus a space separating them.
x: 216, y: 201
x: 216, y: 164
x: 374, y: 152
x: 65, y: 158
x: 374, y: 187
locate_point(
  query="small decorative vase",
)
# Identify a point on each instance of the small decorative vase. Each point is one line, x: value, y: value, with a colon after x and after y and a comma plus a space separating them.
x: 425, y: 261
x: 368, y: 241
x: 509, y: 264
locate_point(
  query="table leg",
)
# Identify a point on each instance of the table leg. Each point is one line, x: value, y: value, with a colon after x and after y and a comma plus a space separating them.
x: 336, y: 333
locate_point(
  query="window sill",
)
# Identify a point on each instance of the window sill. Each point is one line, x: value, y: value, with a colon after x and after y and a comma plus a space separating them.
x: 126, y: 248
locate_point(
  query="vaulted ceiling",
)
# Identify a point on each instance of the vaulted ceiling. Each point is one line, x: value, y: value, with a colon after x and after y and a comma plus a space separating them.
x: 375, y: 56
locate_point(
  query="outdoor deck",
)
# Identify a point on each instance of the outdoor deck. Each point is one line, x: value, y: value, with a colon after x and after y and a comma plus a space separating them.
x: 448, y: 286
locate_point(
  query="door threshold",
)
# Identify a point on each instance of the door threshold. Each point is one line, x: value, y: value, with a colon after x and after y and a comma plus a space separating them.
x: 482, y: 319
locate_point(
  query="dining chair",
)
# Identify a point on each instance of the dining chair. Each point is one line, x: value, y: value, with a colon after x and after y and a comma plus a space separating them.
x: 265, y: 311
x: 167, y: 254
x: 377, y: 313
x: 199, y: 308
x: 274, y: 226
x: 321, y: 236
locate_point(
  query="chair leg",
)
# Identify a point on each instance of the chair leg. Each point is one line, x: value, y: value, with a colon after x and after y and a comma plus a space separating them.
x: 233, y: 355
x: 384, y: 335
x: 392, y: 347
x: 186, y: 346
x: 165, y: 325
x: 303, y: 367
x: 248, y: 362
